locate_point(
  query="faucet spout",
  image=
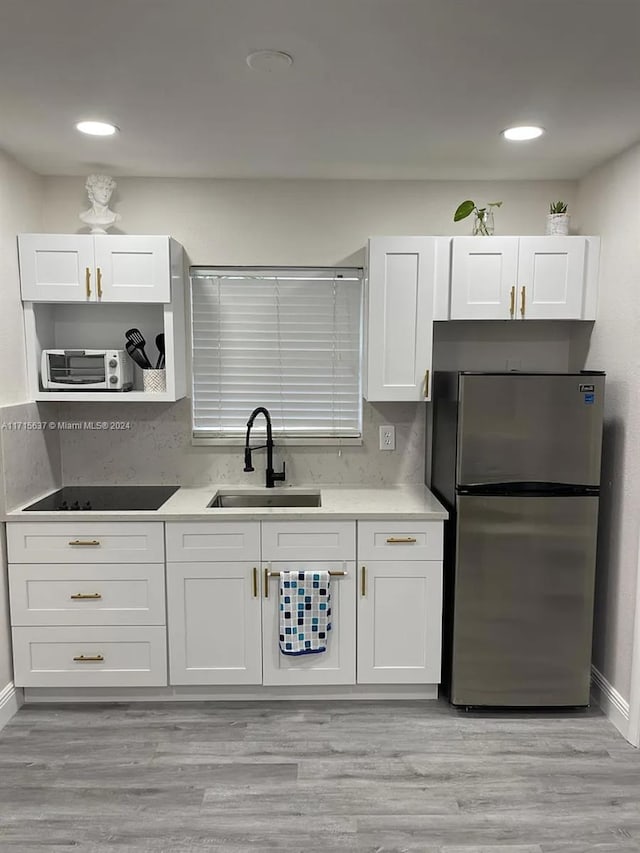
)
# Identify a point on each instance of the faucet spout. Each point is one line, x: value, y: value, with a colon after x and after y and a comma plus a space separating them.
x: 271, y: 475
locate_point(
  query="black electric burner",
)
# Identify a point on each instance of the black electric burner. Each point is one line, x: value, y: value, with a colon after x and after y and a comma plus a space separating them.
x: 103, y: 499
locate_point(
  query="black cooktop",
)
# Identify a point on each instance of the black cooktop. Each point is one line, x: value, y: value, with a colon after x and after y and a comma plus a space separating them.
x: 103, y: 498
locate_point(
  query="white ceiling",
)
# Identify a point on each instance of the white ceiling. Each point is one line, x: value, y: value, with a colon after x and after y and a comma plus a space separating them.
x: 378, y: 88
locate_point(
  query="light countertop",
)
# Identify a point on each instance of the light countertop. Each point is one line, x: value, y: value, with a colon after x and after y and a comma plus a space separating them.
x: 404, y: 501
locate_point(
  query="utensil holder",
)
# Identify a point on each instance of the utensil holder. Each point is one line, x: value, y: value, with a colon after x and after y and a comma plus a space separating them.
x: 154, y: 381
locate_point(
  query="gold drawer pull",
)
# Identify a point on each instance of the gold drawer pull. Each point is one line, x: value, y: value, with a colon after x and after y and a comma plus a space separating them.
x: 255, y: 582
x: 512, y: 305
x: 363, y: 589
x: 84, y: 542
x: 89, y: 659
x: 522, y: 305
x: 87, y: 281
x: 269, y: 574
x: 99, y: 278
x: 404, y: 540
x: 277, y: 574
x: 85, y: 596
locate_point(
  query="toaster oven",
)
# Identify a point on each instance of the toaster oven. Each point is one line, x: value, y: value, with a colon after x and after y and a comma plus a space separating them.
x: 86, y: 370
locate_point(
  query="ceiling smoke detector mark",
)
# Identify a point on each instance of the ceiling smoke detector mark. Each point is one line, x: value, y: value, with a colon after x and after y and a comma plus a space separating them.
x: 269, y: 60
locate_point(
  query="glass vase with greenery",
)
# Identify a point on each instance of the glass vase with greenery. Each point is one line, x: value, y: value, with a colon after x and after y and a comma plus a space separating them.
x: 483, y: 223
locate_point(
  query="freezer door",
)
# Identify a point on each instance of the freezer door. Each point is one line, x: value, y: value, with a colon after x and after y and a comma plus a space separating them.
x: 529, y: 428
x: 523, y: 600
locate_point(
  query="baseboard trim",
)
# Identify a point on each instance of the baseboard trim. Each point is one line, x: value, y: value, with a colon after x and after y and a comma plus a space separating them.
x: 248, y: 693
x: 611, y: 703
x: 11, y: 698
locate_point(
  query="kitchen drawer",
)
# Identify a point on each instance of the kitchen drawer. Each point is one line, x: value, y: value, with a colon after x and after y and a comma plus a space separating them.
x: 308, y: 540
x: 400, y: 540
x: 202, y: 541
x: 90, y: 657
x: 102, y: 594
x: 85, y: 542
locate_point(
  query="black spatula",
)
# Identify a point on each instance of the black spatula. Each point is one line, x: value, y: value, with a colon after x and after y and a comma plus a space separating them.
x: 160, y: 345
x: 136, y: 355
x: 135, y: 337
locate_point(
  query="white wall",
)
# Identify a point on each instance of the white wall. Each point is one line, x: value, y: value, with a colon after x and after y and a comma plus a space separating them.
x: 298, y: 223
x: 20, y: 210
x: 608, y: 205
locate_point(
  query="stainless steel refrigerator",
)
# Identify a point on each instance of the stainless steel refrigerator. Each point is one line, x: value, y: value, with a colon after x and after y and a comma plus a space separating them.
x: 516, y: 459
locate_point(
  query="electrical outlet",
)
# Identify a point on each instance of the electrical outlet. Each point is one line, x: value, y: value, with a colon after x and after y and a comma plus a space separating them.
x: 387, y: 437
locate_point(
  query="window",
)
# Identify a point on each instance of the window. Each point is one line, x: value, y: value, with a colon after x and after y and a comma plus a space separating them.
x: 286, y: 339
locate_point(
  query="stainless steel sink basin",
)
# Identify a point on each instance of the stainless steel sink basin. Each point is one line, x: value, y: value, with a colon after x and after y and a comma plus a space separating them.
x: 238, y: 500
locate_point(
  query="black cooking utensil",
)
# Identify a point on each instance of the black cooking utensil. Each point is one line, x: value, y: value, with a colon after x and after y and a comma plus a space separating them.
x: 136, y: 355
x: 135, y: 336
x: 160, y: 345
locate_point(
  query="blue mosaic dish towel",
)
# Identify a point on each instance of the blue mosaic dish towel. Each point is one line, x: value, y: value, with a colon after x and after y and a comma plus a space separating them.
x: 305, y: 612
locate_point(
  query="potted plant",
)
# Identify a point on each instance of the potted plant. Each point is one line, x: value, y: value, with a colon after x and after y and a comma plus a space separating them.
x: 483, y: 223
x: 558, y: 219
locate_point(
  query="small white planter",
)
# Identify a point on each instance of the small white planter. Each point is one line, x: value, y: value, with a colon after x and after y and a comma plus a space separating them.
x: 557, y: 224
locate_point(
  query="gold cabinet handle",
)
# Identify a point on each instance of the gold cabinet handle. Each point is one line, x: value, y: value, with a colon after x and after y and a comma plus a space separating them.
x: 87, y: 281
x: 512, y: 304
x: 522, y: 302
x: 84, y: 542
x: 404, y: 540
x: 363, y: 581
x: 266, y: 583
x: 426, y: 383
x: 85, y: 596
x: 255, y: 581
x: 99, y: 281
x: 89, y: 658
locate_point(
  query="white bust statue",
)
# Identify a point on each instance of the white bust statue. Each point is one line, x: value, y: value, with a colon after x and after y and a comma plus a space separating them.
x: 99, y: 217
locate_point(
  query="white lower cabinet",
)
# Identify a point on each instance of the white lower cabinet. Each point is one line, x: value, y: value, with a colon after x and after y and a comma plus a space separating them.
x: 214, y: 623
x: 87, y: 604
x: 335, y: 666
x: 399, y: 622
x: 90, y: 656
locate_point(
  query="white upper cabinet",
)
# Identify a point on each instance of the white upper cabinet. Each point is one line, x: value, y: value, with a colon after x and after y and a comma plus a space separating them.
x: 551, y: 278
x: 400, y: 314
x: 484, y: 271
x: 96, y: 268
x: 524, y: 278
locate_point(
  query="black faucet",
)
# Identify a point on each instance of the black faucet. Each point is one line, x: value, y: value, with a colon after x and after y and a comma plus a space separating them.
x: 272, y: 476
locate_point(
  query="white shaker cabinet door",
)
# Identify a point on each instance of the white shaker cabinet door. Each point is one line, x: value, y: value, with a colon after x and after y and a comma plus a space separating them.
x: 132, y: 269
x: 483, y: 278
x: 213, y: 614
x: 399, y: 622
x: 335, y: 666
x: 551, y: 278
x: 399, y: 322
x: 57, y: 267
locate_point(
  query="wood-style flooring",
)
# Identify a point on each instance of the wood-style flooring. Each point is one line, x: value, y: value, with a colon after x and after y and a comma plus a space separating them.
x: 317, y: 777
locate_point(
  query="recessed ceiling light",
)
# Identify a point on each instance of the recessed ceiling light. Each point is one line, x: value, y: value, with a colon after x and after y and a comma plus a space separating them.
x: 521, y: 134
x: 269, y: 60
x: 96, y: 128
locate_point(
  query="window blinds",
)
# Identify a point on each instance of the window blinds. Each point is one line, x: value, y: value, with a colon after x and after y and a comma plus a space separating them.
x: 286, y: 339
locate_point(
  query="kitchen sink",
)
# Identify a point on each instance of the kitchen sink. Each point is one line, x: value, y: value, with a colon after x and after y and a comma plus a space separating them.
x: 237, y: 500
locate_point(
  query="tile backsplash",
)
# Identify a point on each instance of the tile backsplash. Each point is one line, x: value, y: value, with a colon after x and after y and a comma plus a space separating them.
x: 154, y: 446
x: 31, y: 451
